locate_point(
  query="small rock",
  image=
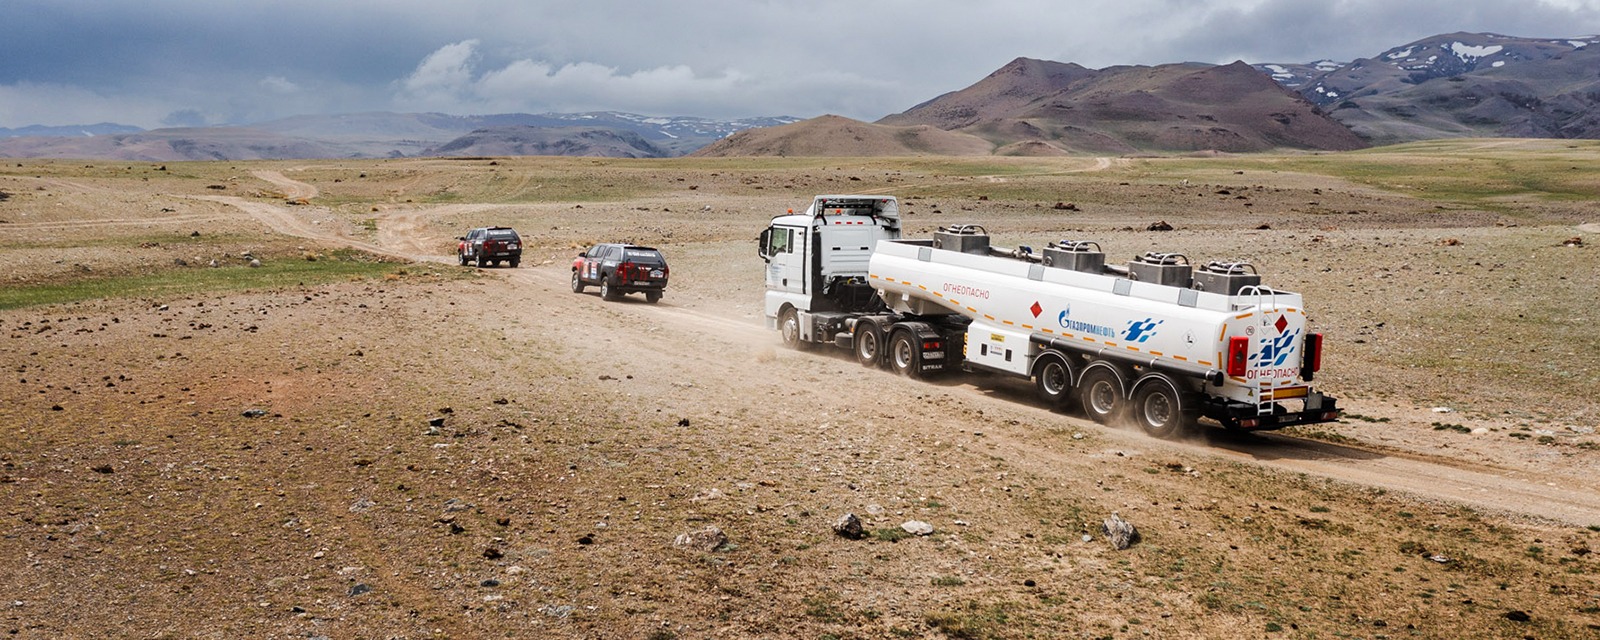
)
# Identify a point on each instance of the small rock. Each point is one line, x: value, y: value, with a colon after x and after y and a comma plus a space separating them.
x: 875, y: 510
x: 1120, y: 533
x: 683, y: 422
x: 1088, y: 538
x: 1160, y: 225
x: 849, y: 526
x: 1440, y: 559
x: 1574, y: 241
x: 491, y: 582
x: 1518, y: 616
x: 359, y: 588
x: 255, y: 263
x: 435, y: 422
x: 253, y: 413
x: 1443, y: 410
x: 708, y: 539
x: 102, y: 468
x: 917, y: 528
x: 492, y: 553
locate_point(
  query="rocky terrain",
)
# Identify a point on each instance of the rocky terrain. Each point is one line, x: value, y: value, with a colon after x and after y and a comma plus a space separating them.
x: 370, y: 441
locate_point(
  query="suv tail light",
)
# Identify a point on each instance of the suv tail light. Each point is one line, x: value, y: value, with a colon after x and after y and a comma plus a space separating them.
x: 625, y: 271
x: 1238, y: 355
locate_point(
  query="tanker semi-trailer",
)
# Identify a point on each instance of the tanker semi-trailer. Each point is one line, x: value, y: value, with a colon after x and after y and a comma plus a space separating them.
x: 1157, y: 341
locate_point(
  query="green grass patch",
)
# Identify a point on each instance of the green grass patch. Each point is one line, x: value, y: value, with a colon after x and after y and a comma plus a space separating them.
x: 973, y: 621
x: 275, y: 271
x: 891, y: 534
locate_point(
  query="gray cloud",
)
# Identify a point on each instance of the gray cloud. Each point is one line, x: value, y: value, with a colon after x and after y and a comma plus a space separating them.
x: 189, y: 61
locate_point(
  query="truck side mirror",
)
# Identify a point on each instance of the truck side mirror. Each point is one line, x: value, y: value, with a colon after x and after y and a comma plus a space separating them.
x: 761, y: 246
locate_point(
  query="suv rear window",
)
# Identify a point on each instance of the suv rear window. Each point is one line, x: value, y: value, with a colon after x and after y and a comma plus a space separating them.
x: 650, y: 256
x: 502, y: 233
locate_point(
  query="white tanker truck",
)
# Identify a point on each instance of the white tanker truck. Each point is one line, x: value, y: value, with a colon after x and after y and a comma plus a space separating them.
x: 1157, y: 341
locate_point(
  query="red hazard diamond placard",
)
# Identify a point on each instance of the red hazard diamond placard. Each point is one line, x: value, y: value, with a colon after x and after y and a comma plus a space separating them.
x: 1281, y: 324
x: 1036, y: 309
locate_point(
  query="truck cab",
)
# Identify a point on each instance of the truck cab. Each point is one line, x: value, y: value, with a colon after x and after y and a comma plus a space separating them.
x: 817, y: 264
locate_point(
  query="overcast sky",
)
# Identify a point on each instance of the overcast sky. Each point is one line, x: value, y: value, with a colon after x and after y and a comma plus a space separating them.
x: 154, y: 63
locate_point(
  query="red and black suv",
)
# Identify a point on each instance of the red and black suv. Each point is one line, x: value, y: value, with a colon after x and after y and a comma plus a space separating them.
x: 486, y: 245
x: 619, y: 269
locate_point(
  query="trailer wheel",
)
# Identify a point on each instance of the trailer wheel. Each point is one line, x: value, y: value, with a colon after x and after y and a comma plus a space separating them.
x: 1158, y: 412
x: 1053, y: 380
x: 868, y: 350
x: 905, y: 355
x: 1101, y: 393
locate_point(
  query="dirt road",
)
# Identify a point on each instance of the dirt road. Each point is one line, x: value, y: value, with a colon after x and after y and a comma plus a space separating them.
x: 1572, y: 498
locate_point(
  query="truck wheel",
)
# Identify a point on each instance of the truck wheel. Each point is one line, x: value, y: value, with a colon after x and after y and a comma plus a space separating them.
x: 789, y: 328
x: 905, y: 355
x: 482, y: 262
x: 652, y: 297
x: 462, y: 258
x: 1156, y: 409
x: 606, y: 292
x: 1101, y: 394
x: 514, y: 262
x: 1053, y: 380
x: 868, y: 346
x: 577, y: 283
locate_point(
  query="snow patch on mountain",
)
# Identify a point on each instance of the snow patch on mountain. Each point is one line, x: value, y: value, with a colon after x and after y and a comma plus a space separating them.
x: 1468, y: 52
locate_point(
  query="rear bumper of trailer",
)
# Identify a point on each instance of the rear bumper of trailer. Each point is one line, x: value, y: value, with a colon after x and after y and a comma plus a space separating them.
x: 1244, y: 416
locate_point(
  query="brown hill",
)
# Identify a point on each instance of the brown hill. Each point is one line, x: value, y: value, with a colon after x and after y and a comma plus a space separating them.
x: 1177, y: 107
x: 832, y: 135
x: 1009, y: 89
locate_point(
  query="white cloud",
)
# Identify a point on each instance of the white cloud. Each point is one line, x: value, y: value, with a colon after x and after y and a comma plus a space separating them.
x: 279, y: 85
x: 449, y: 80
x: 445, y: 76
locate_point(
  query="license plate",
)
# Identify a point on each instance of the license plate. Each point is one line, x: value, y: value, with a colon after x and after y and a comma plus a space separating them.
x: 655, y: 273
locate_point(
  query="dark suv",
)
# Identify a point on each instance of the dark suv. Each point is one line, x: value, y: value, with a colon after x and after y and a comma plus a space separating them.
x: 619, y: 269
x: 486, y: 245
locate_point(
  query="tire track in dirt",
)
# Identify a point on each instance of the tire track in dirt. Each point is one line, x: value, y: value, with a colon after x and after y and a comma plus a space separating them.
x: 1493, y: 490
x: 113, y: 222
x: 292, y: 189
x: 1485, y: 487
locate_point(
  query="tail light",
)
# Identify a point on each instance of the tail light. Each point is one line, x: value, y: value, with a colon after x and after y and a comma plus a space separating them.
x: 932, y: 345
x: 1238, y: 355
x: 1313, y: 352
x: 1312, y: 361
x: 625, y: 271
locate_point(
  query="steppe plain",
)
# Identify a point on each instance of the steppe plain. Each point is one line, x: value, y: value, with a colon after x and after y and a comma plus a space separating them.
x: 361, y: 439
